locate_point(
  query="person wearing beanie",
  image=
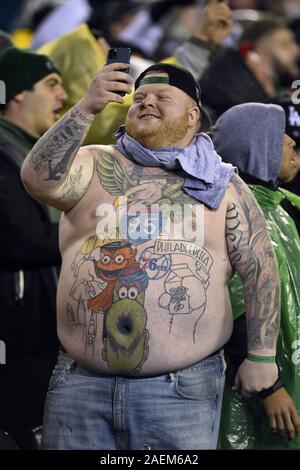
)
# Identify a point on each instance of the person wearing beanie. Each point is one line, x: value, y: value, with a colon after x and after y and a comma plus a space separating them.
x: 32, y: 89
x: 29, y: 249
x: 253, y: 137
x: 148, y: 249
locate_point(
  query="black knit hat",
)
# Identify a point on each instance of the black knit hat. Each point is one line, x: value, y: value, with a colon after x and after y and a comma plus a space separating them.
x: 20, y: 69
x: 180, y: 78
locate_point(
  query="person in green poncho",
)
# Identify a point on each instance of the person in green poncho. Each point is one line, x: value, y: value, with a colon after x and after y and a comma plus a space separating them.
x: 252, y: 137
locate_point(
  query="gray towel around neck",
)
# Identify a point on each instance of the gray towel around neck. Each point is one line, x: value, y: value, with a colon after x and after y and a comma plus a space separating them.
x: 206, y: 177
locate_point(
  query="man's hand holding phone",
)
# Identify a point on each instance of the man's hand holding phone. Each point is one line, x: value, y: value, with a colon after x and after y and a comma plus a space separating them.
x: 119, y: 55
x: 106, y: 87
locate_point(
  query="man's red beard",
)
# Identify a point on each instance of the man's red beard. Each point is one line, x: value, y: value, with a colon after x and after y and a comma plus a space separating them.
x: 160, y: 135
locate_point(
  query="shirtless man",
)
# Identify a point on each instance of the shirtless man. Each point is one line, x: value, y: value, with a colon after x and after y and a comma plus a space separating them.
x: 143, y: 305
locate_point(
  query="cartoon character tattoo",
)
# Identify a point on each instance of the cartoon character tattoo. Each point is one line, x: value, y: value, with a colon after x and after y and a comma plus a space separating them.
x: 109, y: 281
x: 126, y: 345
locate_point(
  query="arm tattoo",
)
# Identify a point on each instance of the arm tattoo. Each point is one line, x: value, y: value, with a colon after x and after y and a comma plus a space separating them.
x: 252, y: 255
x: 52, y: 156
x: 72, y: 188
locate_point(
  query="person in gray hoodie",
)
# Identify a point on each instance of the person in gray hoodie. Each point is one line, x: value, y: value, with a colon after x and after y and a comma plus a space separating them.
x: 252, y: 137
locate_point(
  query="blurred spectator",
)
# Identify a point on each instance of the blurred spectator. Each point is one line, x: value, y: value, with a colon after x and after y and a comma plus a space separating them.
x: 61, y: 20
x: 274, y: 42
x: 177, y: 20
x: 29, y: 243
x: 35, y: 11
x: 113, y: 18
x: 242, y: 19
x: 266, y: 60
x: 124, y: 24
x: 214, y: 25
x: 154, y: 30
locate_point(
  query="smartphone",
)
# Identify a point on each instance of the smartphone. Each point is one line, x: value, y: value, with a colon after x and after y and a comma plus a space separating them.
x: 119, y: 54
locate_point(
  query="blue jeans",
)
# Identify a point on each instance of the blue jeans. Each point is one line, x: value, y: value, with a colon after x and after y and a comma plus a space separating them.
x: 180, y: 410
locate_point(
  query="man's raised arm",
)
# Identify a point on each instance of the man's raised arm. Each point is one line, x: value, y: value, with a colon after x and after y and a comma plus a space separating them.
x: 57, y: 171
x: 252, y: 256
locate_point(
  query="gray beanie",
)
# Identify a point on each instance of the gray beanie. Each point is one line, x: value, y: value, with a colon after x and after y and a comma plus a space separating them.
x: 250, y: 136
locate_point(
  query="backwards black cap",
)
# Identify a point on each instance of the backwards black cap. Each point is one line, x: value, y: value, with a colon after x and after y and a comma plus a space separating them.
x: 180, y: 78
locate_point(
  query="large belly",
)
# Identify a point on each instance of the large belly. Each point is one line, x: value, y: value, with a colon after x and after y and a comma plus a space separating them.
x: 143, y: 311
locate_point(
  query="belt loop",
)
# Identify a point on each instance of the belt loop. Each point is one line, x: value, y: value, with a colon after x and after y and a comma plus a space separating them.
x: 172, y: 376
x: 224, y: 364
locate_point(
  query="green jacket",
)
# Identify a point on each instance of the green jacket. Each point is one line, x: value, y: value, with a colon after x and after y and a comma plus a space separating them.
x: 244, y: 424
